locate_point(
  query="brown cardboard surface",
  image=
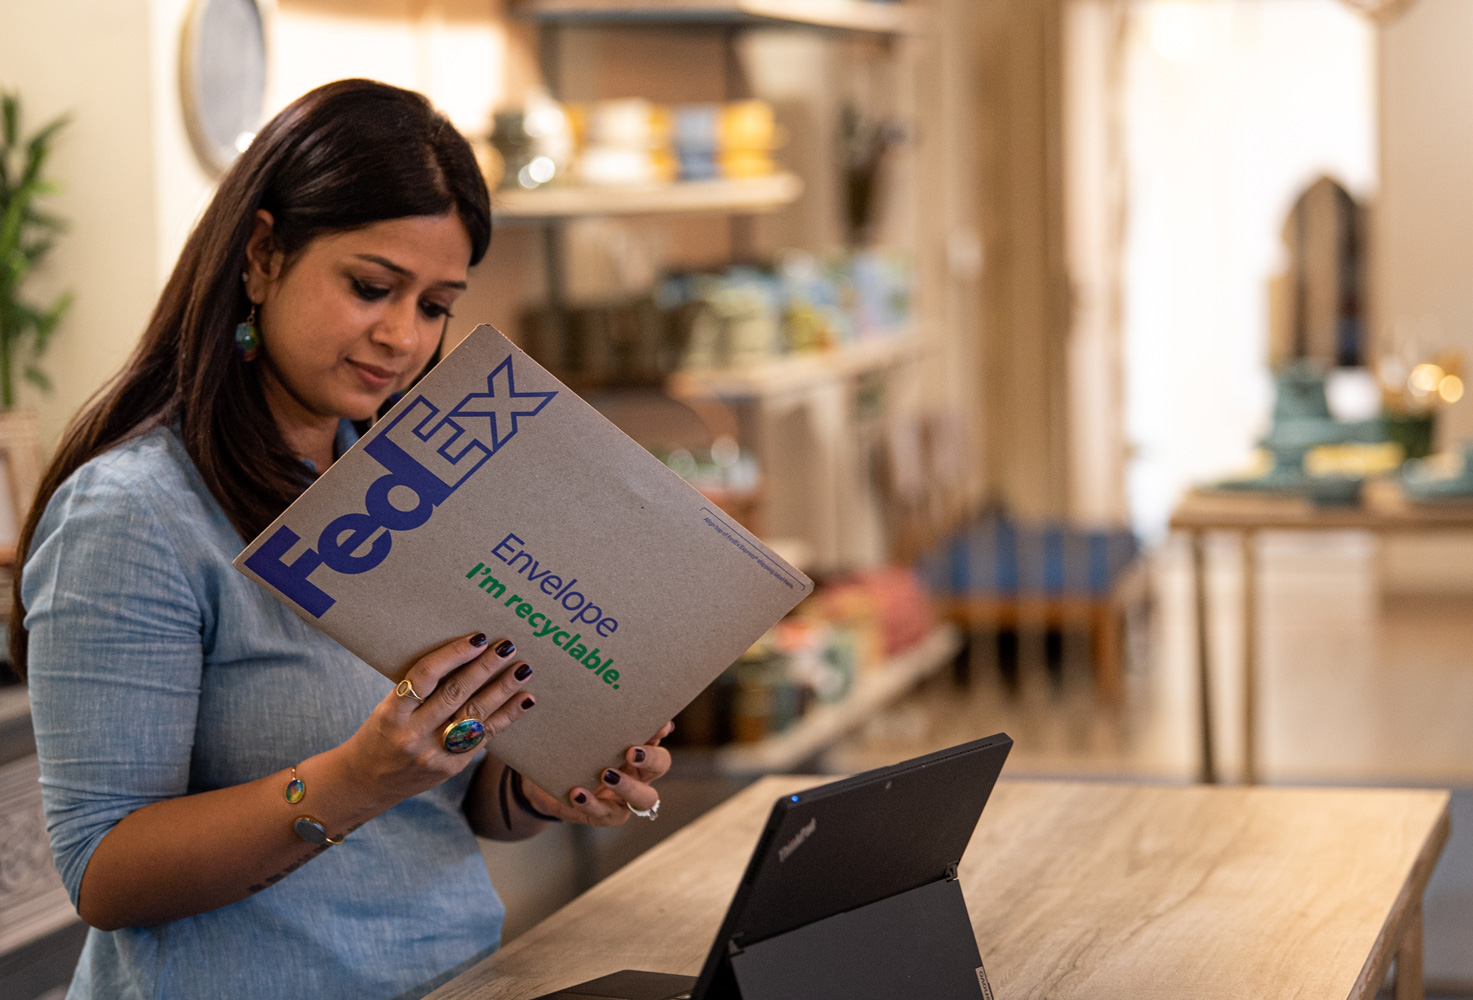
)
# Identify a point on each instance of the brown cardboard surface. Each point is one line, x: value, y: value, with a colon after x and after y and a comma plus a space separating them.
x: 491, y: 486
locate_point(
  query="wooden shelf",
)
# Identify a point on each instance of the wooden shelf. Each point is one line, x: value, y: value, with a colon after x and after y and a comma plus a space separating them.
x: 792, y: 373
x: 867, y: 16
x: 824, y: 725
x: 759, y: 194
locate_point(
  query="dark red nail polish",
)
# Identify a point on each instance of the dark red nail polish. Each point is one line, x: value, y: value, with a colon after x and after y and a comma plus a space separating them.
x: 522, y: 672
x: 638, y: 756
x: 479, y: 639
x: 505, y: 648
x: 527, y: 703
x: 580, y: 798
x: 611, y: 777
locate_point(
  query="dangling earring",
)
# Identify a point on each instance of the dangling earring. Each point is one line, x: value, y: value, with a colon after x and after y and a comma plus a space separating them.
x: 248, y: 338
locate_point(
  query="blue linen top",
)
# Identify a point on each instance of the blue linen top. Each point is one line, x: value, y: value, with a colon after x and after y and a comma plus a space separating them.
x: 157, y: 670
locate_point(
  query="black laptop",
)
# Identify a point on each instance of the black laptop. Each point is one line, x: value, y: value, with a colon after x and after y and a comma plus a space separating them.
x: 851, y: 894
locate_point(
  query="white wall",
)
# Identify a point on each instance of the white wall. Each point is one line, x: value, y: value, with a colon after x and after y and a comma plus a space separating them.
x: 91, y: 58
x: 1094, y: 223
x: 1424, y: 223
x: 182, y: 186
x: 1234, y: 106
x: 453, y: 51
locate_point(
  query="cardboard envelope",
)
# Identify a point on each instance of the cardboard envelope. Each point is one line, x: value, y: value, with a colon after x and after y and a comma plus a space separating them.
x: 493, y: 499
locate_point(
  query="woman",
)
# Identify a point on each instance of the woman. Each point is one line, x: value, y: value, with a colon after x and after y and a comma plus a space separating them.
x: 238, y: 806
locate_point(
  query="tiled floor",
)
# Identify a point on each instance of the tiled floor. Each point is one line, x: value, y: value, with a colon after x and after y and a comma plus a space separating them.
x: 1362, y: 680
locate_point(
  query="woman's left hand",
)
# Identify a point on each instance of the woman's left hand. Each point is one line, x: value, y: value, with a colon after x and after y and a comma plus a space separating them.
x: 630, y: 787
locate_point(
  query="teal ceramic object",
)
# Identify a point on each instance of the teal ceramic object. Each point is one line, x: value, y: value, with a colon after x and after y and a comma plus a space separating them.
x: 1421, y: 481
x: 1302, y: 421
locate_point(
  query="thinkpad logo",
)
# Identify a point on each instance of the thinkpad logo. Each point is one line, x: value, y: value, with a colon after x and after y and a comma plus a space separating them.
x: 787, y: 849
x: 982, y: 982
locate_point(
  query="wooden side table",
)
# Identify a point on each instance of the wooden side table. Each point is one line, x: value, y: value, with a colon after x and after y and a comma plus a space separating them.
x: 1383, y: 511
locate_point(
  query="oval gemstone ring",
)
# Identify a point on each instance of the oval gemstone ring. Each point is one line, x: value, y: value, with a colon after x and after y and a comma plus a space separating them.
x: 464, y: 735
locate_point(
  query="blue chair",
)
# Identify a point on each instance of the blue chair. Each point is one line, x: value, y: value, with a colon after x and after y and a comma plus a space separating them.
x: 995, y: 573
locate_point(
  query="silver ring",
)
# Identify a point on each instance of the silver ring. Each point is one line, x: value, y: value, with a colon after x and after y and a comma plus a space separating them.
x: 652, y: 813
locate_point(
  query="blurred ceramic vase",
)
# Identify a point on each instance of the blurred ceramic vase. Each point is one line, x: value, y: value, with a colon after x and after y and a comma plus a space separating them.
x: 625, y: 143
x: 695, y: 134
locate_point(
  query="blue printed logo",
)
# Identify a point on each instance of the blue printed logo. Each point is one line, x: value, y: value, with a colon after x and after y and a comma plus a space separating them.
x: 429, y: 455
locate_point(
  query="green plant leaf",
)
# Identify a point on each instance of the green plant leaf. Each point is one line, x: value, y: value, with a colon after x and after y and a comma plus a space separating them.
x: 36, y: 251
x: 14, y: 267
x: 38, y: 149
x: 22, y: 318
x: 45, y: 220
x: 27, y: 235
x: 10, y: 223
x: 40, y: 143
x: 31, y: 176
x: 11, y: 110
x: 46, y: 323
x: 22, y: 197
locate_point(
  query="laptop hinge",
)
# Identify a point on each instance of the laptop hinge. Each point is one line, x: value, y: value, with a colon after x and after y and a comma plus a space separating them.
x: 732, y: 948
x: 951, y: 872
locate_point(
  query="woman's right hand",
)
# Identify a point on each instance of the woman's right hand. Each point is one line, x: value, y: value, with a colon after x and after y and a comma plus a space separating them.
x: 399, y: 751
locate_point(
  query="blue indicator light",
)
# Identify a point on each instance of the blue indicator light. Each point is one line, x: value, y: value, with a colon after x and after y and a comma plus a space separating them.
x: 795, y: 798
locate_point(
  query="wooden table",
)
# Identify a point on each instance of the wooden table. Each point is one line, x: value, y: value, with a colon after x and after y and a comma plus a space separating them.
x: 1383, y: 511
x: 1086, y: 891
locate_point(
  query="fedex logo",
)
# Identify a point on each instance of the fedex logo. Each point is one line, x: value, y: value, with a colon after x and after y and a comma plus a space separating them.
x: 424, y: 454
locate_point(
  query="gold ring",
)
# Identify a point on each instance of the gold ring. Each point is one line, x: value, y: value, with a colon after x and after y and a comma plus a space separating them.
x: 405, y: 689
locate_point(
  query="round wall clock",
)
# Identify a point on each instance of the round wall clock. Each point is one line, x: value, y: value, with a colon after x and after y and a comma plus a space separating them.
x: 223, y: 78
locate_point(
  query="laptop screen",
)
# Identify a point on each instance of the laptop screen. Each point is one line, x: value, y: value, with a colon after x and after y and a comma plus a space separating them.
x: 843, y: 845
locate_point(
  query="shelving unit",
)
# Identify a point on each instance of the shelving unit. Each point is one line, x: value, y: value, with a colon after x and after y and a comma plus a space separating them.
x: 793, y: 373
x: 811, y: 420
x: 826, y: 724
x: 867, y: 16
x: 759, y: 194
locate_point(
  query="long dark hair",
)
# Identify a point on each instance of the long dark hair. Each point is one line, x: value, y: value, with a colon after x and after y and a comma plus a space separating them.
x: 343, y: 156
